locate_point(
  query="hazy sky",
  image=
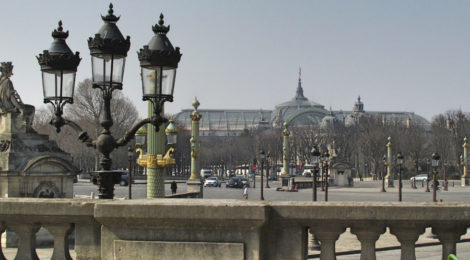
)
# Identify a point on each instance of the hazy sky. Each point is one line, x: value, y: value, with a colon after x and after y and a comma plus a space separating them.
x: 397, y: 55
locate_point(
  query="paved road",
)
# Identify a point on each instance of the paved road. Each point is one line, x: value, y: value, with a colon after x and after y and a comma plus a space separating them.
x: 368, y: 191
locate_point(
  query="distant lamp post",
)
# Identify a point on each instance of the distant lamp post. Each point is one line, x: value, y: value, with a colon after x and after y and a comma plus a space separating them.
x: 465, y: 180
x: 446, y: 183
x: 326, y: 159
x: 427, y: 177
x: 400, y: 185
x: 268, y: 158
x: 314, y: 159
x: 130, y: 156
x: 262, y: 157
x: 435, y: 165
x: 384, y: 160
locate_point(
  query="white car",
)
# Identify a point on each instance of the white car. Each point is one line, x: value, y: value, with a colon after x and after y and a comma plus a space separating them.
x: 419, y: 177
x: 213, y: 182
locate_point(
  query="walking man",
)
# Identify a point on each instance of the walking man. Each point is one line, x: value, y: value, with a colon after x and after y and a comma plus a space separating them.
x: 245, y: 192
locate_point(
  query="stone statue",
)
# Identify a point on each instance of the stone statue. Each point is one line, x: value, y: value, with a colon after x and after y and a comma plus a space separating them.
x: 10, y: 101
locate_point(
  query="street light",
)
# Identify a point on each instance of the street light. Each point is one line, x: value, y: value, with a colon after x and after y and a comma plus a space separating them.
x: 262, y: 156
x: 434, y: 164
x: 384, y: 159
x: 326, y: 159
x: 445, y: 184
x: 314, y: 159
x: 399, y: 163
x: 427, y: 177
x: 108, y: 49
x: 268, y: 157
x: 130, y: 157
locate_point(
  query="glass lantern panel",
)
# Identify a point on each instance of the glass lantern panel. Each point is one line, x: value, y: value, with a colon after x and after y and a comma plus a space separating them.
x: 151, y: 82
x: 106, y: 66
x: 434, y: 163
x: 168, y: 81
x: 118, y: 69
x: 314, y: 159
x: 58, y: 84
x: 140, y: 139
x: 171, y: 138
x: 68, y: 84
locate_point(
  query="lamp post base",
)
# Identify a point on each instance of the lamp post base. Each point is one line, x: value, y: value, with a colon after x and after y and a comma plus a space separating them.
x: 285, y: 181
x: 390, y: 183
x: 465, y: 181
x: 195, y: 185
x: 105, y: 181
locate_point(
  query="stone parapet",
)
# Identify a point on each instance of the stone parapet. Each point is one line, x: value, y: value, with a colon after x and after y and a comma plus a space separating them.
x: 223, y: 229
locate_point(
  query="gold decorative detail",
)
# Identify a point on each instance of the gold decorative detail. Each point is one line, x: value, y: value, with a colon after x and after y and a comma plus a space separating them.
x: 157, y: 160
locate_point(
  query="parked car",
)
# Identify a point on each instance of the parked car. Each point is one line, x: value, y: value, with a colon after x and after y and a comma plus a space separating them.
x: 419, y: 177
x: 125, y: 178
x: 213, y: 182
x: 234, y: 182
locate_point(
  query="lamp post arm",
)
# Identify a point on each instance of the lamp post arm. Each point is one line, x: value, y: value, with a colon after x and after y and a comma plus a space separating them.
x: 82, y: 135
x: 58, y: 121
x: 129, y: 135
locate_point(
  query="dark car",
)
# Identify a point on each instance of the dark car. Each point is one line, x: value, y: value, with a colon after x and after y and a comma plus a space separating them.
x: 234, y: 182
x: 125, y: 178
x: 245, y: 181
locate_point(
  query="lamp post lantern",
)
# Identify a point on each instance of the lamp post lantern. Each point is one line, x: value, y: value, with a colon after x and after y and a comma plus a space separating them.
x: 108, y: 49
x: 262, y: 157
x: 400, y: 185
x: 314, y: 158
x: 434, y: 164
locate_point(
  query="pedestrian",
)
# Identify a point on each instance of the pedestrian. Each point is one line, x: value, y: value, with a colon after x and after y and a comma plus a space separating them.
x: 173, y: 187
x: 245, y: 192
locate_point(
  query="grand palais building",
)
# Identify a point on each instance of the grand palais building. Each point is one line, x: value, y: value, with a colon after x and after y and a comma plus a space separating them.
x: 299, y: 111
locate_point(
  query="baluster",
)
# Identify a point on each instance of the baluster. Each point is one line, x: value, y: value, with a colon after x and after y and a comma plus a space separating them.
x: 27, y: 241
x: 61, y: 234
x: 368, y: 235
x: 3, y: 227
x: 327, y: 234
x: 449, y: 234
x: 407, y: 235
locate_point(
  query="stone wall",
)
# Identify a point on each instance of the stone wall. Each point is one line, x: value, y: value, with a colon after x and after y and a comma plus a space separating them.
x: 223, y: 229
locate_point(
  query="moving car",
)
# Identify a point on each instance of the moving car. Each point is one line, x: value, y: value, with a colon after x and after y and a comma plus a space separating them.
x: 234, y: 182
x: 245, y: 181
x: 419, y: 177
x: 213, y: 182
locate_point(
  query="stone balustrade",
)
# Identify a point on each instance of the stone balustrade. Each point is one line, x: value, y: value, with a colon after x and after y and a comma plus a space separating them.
x: 223, y: 229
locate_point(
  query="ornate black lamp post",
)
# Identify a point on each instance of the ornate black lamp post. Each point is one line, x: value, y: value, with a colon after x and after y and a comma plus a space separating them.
x: 130, y: 157
x: 427, y: 177
x: 434, y: 164
x: 400, y: 184
x: 384, y: 159
x: 314, y: 159
x: 445, y: 183
x: 268, y: 158
x: 108, y: 49
x: 262, y: 157
x: 326, y: 158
